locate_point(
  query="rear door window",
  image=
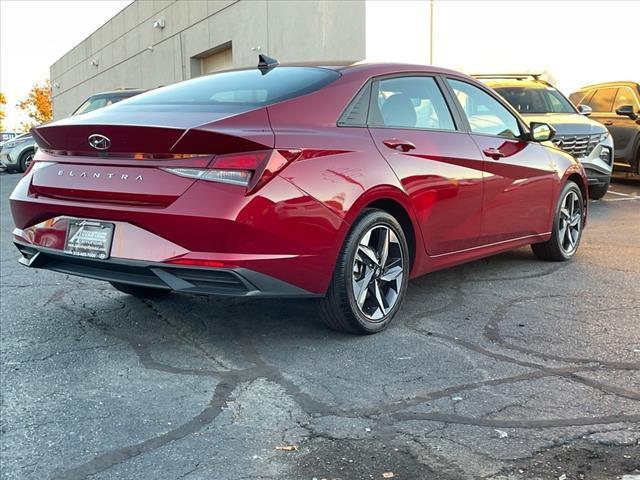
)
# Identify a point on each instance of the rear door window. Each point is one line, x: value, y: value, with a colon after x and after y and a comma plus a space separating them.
x: 602, y: 100
x: 625, y: 96
x: 409, y: 102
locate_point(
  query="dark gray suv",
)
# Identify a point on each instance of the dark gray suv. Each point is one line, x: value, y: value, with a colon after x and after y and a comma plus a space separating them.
x: 617, y: 106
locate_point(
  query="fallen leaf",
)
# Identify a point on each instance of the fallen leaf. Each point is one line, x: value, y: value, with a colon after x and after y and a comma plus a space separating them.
x: 388, y: 475
x: 287, y: 448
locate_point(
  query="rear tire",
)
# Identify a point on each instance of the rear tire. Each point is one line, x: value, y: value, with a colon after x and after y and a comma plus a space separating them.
x: 370, y: 278
x: 567, y: 227
x: 140, y: 292
x: 598, y: 191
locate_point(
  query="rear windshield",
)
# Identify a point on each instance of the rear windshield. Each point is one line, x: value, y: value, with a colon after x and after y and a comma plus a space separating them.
x: 232, y: 91
x: 536, y: 100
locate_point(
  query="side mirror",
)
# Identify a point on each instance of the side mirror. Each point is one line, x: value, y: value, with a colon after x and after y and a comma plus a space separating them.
x: 541, y: 132
x: 585, y: 110
x: 627, y: 111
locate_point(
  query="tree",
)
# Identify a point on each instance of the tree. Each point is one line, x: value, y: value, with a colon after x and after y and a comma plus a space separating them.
x: 37, y: 105
x: 3, y: 102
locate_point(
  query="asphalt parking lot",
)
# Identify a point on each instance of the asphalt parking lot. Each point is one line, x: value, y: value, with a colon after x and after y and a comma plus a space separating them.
x: 505, y: 368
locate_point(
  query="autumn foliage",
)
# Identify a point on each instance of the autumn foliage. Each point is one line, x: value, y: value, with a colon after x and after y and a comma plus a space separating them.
x: 3, y: 102
x: 37, y: 105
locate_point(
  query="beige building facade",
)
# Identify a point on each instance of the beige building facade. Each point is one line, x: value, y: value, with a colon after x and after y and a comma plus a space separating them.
x: 152, y: 43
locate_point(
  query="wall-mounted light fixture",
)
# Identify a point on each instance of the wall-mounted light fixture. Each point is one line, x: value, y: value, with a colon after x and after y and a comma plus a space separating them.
x: 149, y: 48
x: 95, y: 62
x: 159, y: 23
x: 257, y: 49
x: 56, y: 85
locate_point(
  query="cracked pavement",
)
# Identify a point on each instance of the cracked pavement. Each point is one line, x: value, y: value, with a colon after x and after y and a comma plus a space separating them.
x: 507, y: 368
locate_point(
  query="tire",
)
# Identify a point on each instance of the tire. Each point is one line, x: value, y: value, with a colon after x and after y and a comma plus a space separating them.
x: 25, y: 160
x: 360, y: 299
x: 598, y: 191
x: 140, y: 292
x: 567, y: 227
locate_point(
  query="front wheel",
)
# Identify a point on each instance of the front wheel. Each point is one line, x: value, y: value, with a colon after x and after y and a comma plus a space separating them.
x: 370, y: 278
x: 598, y: 191
x: 567, y: 227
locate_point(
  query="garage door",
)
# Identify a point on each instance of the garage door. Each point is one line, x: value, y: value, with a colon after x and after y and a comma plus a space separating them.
x: 220, y: 60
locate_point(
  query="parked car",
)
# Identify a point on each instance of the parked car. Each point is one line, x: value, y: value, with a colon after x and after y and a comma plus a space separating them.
x: 587, y: 140
x: 17, y: 154
x: 104, y: 99
x: 6, y: 136
x: 339, y: 183
x: 617, y: 106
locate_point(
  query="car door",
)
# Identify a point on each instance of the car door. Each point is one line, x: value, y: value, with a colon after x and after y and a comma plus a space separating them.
x: 623, y: 129
x: 518, y: 174
x: 601, y: 102
x: 437, y: 163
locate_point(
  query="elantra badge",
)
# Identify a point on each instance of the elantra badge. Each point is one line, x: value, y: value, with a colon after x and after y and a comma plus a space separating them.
x: 99, y: 142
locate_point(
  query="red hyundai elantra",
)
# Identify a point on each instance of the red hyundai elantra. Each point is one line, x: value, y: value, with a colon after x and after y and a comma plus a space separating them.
x: 297, y: 181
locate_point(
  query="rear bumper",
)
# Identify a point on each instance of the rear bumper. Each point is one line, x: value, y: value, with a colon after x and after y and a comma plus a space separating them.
x: 236, y: 282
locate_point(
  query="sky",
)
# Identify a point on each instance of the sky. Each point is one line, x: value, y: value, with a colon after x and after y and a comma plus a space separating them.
x: 579, y: 43
x: 34, y: 34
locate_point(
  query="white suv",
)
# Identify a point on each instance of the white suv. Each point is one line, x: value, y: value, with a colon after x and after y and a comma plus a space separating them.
x: 587, y: 140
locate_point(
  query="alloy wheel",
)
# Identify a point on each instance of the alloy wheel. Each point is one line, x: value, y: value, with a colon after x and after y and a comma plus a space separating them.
x: 570, y: 222
x: 378, y: 271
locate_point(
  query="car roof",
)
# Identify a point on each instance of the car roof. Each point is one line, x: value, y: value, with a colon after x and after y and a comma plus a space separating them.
x: 369, y: 69
x: 515, y: 82
x: 625, y: 83
x: 375, y: 69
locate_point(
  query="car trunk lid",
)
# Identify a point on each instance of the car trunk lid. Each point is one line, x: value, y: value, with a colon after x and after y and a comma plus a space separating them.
x: 128, y: 163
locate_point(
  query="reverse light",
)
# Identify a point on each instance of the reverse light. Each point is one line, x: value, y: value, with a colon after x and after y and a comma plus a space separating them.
x: 248, y: 169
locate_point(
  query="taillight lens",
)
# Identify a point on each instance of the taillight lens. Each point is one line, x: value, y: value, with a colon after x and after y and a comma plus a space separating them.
x: 36, y: 165
x: 249, y: 169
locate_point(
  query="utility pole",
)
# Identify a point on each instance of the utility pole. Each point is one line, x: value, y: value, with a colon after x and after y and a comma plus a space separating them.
x: 431, y: 32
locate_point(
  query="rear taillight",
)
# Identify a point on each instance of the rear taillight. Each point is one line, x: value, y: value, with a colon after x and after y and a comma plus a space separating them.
x: 249, y: 169
x: 36, y: 165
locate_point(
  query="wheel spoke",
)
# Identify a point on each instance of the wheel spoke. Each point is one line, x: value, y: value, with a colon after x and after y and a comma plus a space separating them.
x: 563, y: 231
x: 379, y: 298
x: 362, y: 286
x: 571, y: 201
x: 571, y: 238
x: 391, y: 274
x: 575, y: 220
x: 367, y: 253
x: 383, y: 246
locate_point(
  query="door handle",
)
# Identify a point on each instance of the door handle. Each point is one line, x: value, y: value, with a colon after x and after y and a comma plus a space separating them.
x: 608, y: 122
x: 493, y: 153
x: 401, y: 145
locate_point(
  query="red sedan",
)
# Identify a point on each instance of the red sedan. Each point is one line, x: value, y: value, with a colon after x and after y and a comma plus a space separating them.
x: 340, y: 183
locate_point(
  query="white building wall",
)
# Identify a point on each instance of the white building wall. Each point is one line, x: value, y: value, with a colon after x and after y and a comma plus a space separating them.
x: 398, y: 31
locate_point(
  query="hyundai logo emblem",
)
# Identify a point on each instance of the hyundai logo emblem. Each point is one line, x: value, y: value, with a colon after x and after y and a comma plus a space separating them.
x: 99, y: 142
